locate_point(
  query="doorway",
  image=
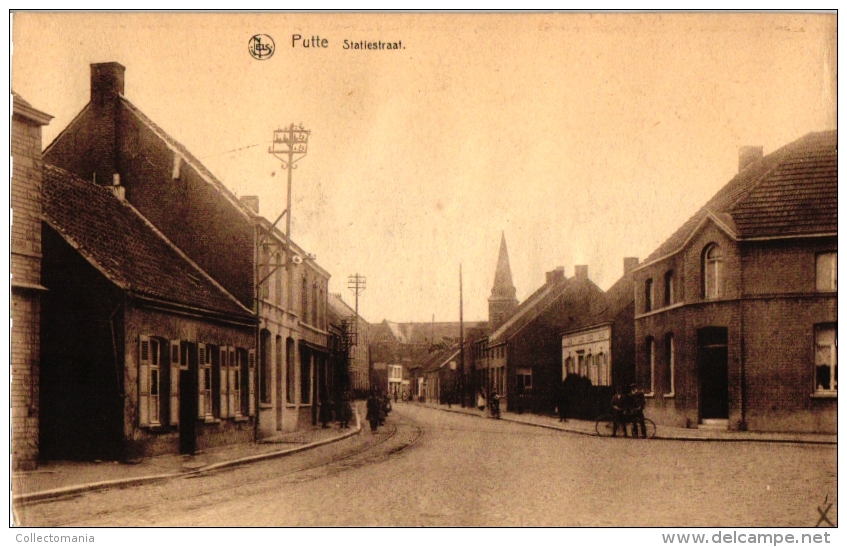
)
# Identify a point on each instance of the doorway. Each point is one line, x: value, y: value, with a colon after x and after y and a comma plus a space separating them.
x: 712, y: 361
x: 187, y: 399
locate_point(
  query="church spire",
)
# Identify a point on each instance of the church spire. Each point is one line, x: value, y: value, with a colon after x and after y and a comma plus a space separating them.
x: 502, y: 302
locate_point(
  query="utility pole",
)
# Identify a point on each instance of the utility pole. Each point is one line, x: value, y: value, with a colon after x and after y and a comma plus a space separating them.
x: 289, y: 146
x: 357, y: 284
x: 461, y: 379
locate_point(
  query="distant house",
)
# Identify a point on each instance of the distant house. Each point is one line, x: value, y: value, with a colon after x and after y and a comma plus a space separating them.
x: 344, y: 318
x: 523, y: 356
x: 25, y: 269
x: 112, y: 142
x: 143, y: 352
x: 600, y: 349
x: 736, y: 313
x: 397, y: 348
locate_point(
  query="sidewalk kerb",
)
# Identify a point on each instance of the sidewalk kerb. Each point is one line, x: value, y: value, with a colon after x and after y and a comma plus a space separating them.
x: 656, y: 437
x: 147, y: 479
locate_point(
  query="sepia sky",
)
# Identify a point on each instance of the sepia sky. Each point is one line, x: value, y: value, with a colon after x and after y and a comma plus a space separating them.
x: 585, y: 138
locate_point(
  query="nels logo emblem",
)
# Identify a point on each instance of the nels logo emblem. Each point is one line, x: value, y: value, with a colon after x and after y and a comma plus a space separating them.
x: 261, y: 47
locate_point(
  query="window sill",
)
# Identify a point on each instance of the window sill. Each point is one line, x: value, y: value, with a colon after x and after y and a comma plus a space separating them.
x: 157, y: 428
x: 210, y: 420
x: 670, y: 395
x: 650, y: 395
x: 241, y: 418
x: 825, y: 395
x: 265, y: 405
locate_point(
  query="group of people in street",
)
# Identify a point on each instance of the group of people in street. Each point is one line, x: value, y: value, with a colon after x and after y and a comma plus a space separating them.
x: 492, y: 402
x: 628, y: 408
x: 342, y: 411
x: 378, y: 407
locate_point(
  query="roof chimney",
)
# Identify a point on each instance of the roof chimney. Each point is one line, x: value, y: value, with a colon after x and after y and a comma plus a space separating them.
x: 251, y: 202
x: 107, y: 82
x: 748, y: 155
x: 629, y: 264
x: 557, y: 274
x: 580, y: 272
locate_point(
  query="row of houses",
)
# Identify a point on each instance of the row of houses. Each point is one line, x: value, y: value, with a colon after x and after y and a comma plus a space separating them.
x: 153, y: 310
x: 731, y: 323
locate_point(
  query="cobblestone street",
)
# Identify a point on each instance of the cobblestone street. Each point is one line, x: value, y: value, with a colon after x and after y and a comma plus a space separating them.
x: 427, y: 467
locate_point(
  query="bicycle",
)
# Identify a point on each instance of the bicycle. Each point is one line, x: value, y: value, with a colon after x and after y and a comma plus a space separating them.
x: 605, y: 426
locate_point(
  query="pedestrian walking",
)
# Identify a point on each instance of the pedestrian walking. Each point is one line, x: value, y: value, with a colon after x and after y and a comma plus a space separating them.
x: 480, y: 401
x: 374, y: 406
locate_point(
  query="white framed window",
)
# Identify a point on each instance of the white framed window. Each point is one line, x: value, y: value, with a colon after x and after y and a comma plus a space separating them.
x: 826, y: 271
x: 603, y: 372
x: 826, y: 358
x: 149, y: 381
x: 651, y: 361
x: 712, y: 271
x: 669, y: 359
x: 204, y: 382
x: 155, y: 384
x: 592, y: 369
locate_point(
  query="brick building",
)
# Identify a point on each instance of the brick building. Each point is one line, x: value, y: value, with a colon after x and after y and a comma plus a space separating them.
x: 599, y: 350
x: 358, y: 357
x: 25, y: 265
x: 111, y: 139
x: 143, y: 353
x: 736, y: 313
x: 523, y: 356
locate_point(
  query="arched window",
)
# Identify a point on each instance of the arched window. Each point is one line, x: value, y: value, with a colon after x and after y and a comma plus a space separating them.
x: 712, y: 271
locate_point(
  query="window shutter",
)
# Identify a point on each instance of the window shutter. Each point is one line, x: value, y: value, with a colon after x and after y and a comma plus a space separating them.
x: 232, y: 365
x: 143, y: 380
x: 251, y: 380
x: 201, y: 387
x: 224, y: 382
x: 174, y: 382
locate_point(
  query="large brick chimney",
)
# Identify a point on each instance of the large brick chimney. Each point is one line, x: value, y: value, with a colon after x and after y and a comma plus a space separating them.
x: 107, y: 82
x: 580, y: 272
x: 748, y: 155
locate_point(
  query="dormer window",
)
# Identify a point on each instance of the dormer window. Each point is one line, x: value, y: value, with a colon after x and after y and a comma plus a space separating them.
x: 712, y: 271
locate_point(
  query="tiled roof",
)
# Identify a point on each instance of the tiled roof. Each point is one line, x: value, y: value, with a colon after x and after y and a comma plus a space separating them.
x: 791, y: 191
x: 606, y: 307
x: 126, y: 248
x: 529, y: 309
x: 188, y: 156
x: 799, y: 196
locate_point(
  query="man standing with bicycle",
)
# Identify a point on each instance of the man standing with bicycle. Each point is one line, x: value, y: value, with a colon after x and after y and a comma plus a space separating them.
x: 619, y: 411
x: 635, y: 410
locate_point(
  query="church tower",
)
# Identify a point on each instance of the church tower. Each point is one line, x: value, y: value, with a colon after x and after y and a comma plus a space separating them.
x: 502, y: 302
